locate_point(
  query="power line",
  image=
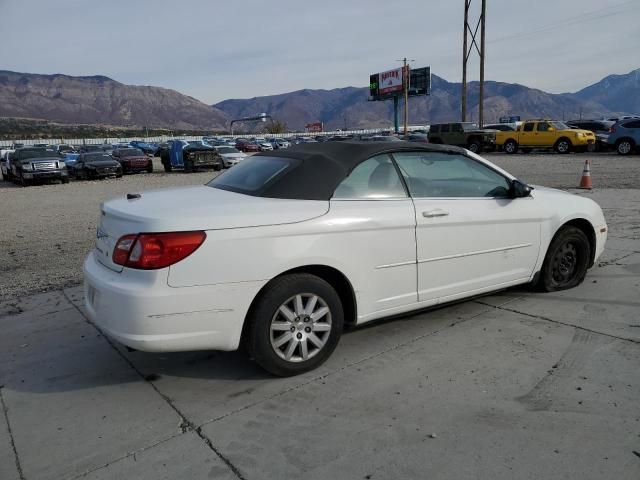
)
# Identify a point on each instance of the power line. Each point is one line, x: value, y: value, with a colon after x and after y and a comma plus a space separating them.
x: 570, y: 21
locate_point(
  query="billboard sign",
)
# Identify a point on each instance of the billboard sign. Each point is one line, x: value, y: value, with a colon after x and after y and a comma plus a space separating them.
x: 420, y: 81
x: 313, y: 127
x: 390, y: 81
x: 389, y: 84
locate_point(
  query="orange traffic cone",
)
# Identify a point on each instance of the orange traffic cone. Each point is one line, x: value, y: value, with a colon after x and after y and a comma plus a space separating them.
x: 585, y: 180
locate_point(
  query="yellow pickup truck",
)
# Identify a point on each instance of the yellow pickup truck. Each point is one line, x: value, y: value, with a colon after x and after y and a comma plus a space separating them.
x: 546, y: 134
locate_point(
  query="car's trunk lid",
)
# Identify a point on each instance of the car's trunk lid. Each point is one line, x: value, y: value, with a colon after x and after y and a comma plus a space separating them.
x: 193, y: 208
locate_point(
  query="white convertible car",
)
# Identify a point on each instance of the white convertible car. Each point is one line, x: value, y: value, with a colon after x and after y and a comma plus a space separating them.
x: 286, y: 247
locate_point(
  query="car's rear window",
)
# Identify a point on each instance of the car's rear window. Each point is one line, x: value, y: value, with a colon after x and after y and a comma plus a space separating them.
x: 254, y: 174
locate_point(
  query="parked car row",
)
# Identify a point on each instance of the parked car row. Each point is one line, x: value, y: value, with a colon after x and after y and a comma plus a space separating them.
x: 37, y: 164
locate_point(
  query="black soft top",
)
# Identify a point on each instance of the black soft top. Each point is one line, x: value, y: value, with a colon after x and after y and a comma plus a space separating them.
x: 323, y: 165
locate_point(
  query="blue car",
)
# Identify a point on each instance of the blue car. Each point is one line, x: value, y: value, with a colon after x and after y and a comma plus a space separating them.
x: 190, y: 156
x: 146, y: 147
x: 70, y: 159
x: 625, y: 136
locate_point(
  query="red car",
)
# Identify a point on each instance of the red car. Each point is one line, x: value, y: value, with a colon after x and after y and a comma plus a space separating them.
x: 247, y: 147
x: 133, y: 160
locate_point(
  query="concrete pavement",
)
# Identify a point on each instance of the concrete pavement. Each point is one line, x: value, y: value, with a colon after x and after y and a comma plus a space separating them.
x: 513, y: 385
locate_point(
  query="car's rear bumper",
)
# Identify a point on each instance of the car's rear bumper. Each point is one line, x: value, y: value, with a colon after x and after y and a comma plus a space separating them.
x: 140, y: 310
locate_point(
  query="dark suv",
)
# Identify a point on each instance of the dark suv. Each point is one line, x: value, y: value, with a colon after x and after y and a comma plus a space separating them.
x: 463, y: 134
x: 600, y: 128
x: 31, y: 165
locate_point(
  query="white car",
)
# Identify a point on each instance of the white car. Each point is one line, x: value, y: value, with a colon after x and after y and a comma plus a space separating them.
x: 5, y: 163
x: 280, y: 251
x: 264, y: 145
x: 230, y: 155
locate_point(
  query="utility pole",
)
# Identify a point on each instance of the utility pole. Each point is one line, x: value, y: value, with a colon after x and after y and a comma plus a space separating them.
x: 466, y: 52
x: 405, y: 72
x: 405, y: 91
x: 465, y: 56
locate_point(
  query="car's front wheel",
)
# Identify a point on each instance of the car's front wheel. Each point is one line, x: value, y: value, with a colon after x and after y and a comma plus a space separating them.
x: 624, y: 146
x: 567, y: 260
x: 563, y: 146
x: 295, y: 324
x: 474, y: 146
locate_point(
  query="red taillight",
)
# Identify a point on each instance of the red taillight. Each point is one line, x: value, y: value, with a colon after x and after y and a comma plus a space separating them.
x: 613, y: 129
x: 150, y: 251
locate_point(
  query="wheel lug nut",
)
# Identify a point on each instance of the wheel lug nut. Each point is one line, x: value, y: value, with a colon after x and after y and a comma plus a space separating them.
x: 306, y: 319
x: 307, y: 329
x: 299, y: 335
x: 293, y: 329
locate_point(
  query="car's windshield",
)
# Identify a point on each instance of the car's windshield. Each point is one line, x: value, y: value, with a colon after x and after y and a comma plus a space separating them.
x: 35, y: 153
x: 253, y: 174
x: 469, y: 126
x: 228, y: 150
x: 130, y: 152
x: 96, y: 157
x: 559, y: 125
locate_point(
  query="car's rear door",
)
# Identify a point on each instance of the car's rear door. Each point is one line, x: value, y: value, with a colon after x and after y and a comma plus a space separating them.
x: 471, y: 237
x: 527, y: 134
x: 376, y: 222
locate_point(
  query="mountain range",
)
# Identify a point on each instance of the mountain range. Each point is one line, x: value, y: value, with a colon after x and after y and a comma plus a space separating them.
x: 102, y: 100
x: 348, y: 107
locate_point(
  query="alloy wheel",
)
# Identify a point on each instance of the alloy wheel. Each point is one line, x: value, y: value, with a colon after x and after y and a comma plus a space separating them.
x: 563, y: 146
x: 624, y: 147
x: 300, y: 328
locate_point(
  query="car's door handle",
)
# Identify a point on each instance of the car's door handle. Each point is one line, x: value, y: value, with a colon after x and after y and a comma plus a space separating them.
x: 435, y: 213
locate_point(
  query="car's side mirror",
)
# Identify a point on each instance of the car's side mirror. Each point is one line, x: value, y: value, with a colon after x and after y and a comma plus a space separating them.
x: 519, y: 189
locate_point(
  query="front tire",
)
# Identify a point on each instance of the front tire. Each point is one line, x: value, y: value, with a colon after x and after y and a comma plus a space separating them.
x: 562, y: 146
x: 567, y: 260
x: 625, y: 146
x: 150, y: 167
x: 295, y: 325
x: 474, y: 146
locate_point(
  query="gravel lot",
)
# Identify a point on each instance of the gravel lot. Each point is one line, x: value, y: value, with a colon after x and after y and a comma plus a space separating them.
x: 48, y: 230
x: 516, y: 384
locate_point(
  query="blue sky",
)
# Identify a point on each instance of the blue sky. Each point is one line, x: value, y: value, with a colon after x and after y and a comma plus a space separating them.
x: 214, y: 50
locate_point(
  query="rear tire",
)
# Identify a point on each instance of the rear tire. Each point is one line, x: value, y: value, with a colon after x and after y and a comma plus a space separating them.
x: 625, y: 146
x: 510, y: 147
x: 65, y: 180
x: 567, y: 260
x: 150, y: 167
x: 294, y: 325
